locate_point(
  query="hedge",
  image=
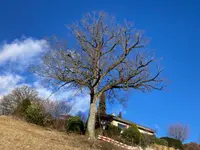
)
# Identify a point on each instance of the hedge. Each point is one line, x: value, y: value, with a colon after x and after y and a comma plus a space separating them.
x: 75, y: 124
x: 35, y: 114
x: 132, y: 135
x: 173, y: 142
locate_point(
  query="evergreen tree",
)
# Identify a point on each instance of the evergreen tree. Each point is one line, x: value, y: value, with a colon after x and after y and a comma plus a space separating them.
x: 120, y: 114
x: 101, y: 112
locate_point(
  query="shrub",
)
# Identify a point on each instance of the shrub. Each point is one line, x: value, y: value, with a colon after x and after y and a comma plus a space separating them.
x: 25, y: 104
x: 147, y: 140
x: 132, y: 135
x: 35, y: 114
x: 75, y: 124
x: 112, y: 131
x: 173, y: 142
x: 191, y: 146
x: 48, y: 120
x: 21, y: 108
x: 161, y: 142
x: 59, y: 124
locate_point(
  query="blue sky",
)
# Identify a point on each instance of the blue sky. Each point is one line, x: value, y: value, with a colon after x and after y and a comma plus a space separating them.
x: 172, y: 25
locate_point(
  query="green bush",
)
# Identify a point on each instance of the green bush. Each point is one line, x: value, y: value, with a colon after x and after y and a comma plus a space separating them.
x: 35, y: 114
x: 132, y: 135
x: 21, y: 108
x: 75, y: 124
x: 161, y: 142
x: 112, y: 131
x: 147, y: 139
x: 173, y: 142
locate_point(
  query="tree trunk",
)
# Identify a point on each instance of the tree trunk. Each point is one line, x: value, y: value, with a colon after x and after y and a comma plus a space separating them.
x: 92, y: 119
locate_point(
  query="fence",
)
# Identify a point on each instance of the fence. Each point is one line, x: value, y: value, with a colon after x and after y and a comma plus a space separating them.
x: 119, y: 144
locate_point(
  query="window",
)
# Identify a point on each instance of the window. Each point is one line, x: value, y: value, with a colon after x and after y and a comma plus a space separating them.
x: 122, y: 126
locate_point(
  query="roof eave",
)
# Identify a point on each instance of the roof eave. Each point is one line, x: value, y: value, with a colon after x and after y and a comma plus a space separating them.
x: 131, y: 123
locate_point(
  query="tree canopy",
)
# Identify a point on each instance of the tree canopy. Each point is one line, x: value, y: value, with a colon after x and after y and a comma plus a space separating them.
x: 107, y: 57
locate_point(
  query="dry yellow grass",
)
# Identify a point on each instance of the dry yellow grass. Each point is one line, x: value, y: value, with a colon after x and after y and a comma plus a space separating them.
x: 19, y: 135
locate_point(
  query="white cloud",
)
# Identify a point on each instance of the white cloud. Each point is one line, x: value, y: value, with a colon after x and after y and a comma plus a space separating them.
x: 80, y: 101
x: 42, y: 91
x: 21, y: 51
x: 8, y: 82
x: 18, y: 55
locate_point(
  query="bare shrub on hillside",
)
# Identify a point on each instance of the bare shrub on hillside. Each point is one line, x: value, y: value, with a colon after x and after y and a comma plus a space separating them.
x: 59, y: 112
x: 10, y: 101
x: 57, y: 108
x: 178, y: 131
x: 191, y: 146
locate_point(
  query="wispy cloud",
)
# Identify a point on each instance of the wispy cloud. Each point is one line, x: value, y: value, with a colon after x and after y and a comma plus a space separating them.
x: 8, y: 82
x: 79, y: 100
x: 21, y: 51
x: 17, y: 55
x: 157, y: 126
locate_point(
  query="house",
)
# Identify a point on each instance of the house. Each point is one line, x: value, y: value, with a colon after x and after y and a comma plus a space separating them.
x: 64, y: 116
x: 122, y: 123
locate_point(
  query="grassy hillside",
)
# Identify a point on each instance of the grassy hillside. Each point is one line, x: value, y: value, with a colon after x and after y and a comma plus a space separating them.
x: 17, y: 134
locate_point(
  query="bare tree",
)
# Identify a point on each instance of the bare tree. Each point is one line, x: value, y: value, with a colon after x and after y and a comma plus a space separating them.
x: 192, y: 146
x: 10, y: 102
x: 101, y: 111
x: 56, y: 108
x: 108, y: 57
x: 178, y: 131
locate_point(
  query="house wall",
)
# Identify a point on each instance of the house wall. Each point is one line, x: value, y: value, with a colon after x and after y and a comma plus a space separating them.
x: 115, y: 123
x: 145, y: 132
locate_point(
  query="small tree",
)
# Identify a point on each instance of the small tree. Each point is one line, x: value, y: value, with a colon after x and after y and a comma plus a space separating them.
x: 147, y: 140
x: 108, y: 57
x: 56, y: 108
x: 75, y: 124
x: 21, y: 108
x: 120, y: 114
x: 132, y: 135
x: 35, y: 114
x: 178, y: 131
x: 101, y: 112
x: 10, y: 102
x: 112, y: 131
